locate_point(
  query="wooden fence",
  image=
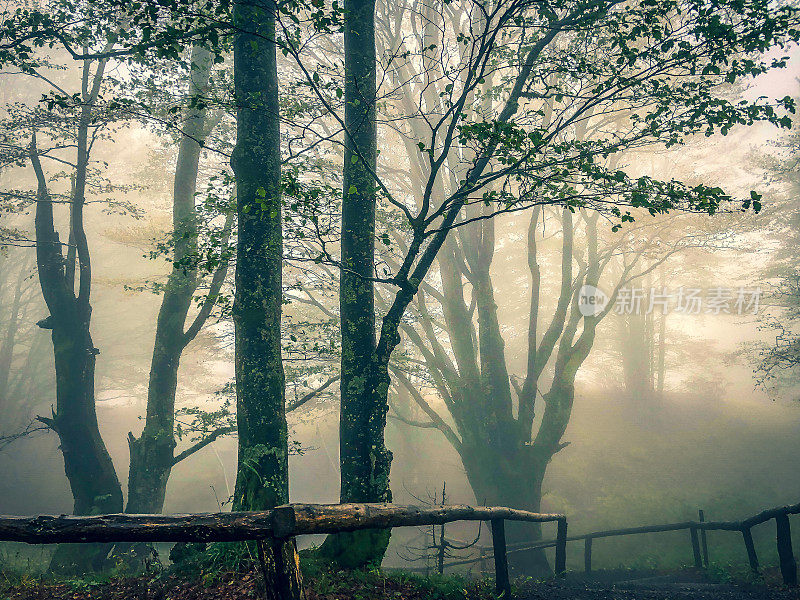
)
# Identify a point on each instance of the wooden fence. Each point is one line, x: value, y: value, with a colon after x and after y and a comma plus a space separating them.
x: 282, y: 522
x: 697, y: 530
x: 788, y: 565
x: 303, y: 519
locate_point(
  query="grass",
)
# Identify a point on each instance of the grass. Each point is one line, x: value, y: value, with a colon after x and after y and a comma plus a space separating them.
x: 326, y: 585
x: 373, y: 584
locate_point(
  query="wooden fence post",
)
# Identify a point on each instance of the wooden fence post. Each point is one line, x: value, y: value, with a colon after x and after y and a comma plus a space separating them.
x: 561, y: 548
x: 751, y: 549
x: 785, y: 554
x: 503, y: 585
x: 703, y: 539
x: 698, y: 562
x: 281, y: 570
x: 587, y: 555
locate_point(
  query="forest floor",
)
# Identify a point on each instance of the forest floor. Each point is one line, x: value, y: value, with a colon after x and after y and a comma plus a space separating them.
x: 392, y: 586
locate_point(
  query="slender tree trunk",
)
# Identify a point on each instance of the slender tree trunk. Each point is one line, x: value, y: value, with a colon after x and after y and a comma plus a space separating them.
x: 365, y: 461
x: 10, y: 337
x: 661, y: 358
x: 152, y: 454
x: 263, y: 475
x: 636, y: 346
x: 661, y: 364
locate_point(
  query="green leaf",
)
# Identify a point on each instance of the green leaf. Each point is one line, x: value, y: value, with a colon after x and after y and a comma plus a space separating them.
x: 756, y: 198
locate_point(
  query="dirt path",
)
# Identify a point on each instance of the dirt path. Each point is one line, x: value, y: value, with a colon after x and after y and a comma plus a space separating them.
x: 655, y: 590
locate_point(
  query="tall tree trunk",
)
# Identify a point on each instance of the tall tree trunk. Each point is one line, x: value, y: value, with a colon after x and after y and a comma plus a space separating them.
x: 152, y: 454
x: 510, y: 476
x: 9, y: 338
x: 365, y: 461
x: 636, y: 346
x: 661, y: 363
x: 263, y: 476
x: 661, y: 351
x: 87, y: 464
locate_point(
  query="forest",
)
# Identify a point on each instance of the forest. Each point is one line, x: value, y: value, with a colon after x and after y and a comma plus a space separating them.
x: 419, y: 299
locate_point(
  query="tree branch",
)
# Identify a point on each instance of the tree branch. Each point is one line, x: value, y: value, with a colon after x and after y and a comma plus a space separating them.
x: 426, y: 408
x: 312, y: 394
x: 210, y: 438
x: 217, y: 281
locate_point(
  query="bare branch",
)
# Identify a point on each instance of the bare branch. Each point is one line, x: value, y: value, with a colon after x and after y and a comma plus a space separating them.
x: 210, y: 438
x: 312, y: 394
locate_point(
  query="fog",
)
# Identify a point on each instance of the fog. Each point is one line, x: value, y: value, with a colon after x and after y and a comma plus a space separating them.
x: 672, y: 412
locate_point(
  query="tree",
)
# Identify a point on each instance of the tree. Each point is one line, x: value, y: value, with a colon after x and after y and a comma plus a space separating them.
x: 777, y: 361
x: 650, y: 74
x: 153, y: 453
x: 93, y: 480
x: 364, y: 459
x: 459, y: 340
x: 263, y: 474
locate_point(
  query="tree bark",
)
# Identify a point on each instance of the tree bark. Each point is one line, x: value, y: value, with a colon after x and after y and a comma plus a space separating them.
x: 263, y: 457
x: 262, y: 480
x: 365, y: 461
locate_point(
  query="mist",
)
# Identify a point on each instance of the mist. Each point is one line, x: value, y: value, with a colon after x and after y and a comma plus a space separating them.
x: 570, y: 347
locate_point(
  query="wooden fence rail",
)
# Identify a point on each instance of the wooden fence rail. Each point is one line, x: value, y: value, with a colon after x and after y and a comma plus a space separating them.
x: 788, y: 564
x: 281, y: 522
x: 302, y: 519
x: 700, y: 553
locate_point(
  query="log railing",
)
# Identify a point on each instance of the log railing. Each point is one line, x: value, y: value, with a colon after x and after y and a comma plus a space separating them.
x: 788, y: 565
x: 281, y: 522
x: 304, y: 519
x: 699, y: 543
